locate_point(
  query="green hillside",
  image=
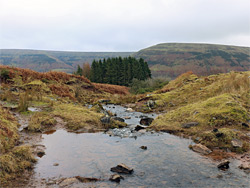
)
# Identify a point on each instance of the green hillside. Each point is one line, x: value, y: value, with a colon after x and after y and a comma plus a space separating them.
x: 43, y: 61
x: 173, y: 59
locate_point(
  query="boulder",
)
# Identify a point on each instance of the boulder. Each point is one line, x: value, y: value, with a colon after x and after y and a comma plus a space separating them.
x: 190, y: 124
x: 105, y: 120
x: 138, y: 127
x: 122, y: 168
x: 146, y: 121
x: 201, y: 149
x: 116, y: 178
x: 236, y: 143
x: 224, y: 165
x: 129, y: 110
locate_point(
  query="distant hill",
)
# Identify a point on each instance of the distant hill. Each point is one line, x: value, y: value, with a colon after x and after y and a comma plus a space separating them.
x: 173, y: 59
x: 43, y: 61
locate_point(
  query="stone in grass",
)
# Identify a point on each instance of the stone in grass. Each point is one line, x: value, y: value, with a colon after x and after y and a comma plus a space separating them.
x: 116, y: 178
x: 236, y: 143
x: 190, y: 124
x: 245, y: 125
x: 201, y: 149
x: 224, y: 165
x: 122, y: 168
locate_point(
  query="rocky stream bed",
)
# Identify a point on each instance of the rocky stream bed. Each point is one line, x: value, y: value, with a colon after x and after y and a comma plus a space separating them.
x: 69, y: 159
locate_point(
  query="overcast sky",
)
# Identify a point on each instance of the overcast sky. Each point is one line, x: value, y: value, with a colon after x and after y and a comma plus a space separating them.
x: 121, y: 25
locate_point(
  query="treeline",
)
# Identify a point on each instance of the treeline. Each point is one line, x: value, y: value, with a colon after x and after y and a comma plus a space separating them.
x: 119, y: 71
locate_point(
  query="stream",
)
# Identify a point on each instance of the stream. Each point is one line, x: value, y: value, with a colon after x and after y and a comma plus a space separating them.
x: 167, y: 162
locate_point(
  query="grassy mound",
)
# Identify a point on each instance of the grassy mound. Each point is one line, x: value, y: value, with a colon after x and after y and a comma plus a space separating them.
x: 215, y: 102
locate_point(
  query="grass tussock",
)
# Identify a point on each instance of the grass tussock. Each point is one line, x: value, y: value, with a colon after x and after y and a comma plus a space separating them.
x: 40, y: 121
x: 78, y: 117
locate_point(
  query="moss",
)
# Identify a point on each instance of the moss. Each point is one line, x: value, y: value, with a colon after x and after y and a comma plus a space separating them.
x: 40, y: 121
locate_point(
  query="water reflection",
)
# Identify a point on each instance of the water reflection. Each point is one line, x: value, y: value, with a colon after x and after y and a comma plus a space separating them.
x: 166, y: 162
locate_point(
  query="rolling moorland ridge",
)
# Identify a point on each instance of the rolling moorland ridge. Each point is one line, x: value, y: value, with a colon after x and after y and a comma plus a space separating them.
x: 167, y: 59
x: 173, y: 59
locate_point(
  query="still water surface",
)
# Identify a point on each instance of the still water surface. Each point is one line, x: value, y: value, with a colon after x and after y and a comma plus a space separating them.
x: 168, y: 162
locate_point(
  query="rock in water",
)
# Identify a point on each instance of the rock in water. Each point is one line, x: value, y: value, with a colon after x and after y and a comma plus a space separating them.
x: 122, y: 168
x: 144, y: 147
x: 86, y: 180
x: 138, y: 127
x: 116, y: 177
x: 245, y: 166
x: 146, y: 121
x: 224, y: 165
x: 190, y: 124
x: 129, y: 110
x: 201, y: 149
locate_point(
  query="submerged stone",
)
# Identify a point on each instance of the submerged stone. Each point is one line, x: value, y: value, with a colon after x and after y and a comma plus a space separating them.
x: 201, y: 149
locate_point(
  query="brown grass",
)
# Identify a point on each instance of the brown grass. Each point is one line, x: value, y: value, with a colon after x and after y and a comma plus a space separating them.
x: 112, y: 89
x: 27, y: 74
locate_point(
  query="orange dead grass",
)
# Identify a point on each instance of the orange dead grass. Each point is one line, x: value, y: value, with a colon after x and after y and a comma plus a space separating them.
x: 113, y: 89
